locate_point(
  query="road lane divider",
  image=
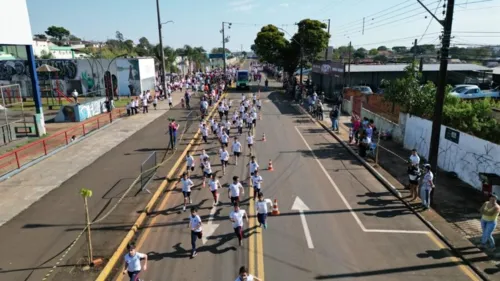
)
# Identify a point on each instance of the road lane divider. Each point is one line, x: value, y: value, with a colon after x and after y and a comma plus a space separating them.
x: 142, y: 217
x: 256, y: 244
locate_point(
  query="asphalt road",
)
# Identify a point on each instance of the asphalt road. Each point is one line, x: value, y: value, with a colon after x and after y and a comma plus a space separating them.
x: 36, y: 240
x: 356, y: 230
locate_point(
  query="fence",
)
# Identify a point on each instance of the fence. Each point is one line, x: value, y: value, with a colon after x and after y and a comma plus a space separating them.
x: 148, y: 170
x: 19, y: 157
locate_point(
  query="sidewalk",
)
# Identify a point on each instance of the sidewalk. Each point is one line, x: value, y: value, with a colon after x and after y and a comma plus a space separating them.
x: 25, y: 188
x: 455, y: 212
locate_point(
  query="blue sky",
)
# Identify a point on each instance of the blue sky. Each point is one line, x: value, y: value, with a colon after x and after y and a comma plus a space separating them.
x: 197, y: 23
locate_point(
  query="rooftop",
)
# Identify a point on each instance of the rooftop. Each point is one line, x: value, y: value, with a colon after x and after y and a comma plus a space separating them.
x: 427, y: 67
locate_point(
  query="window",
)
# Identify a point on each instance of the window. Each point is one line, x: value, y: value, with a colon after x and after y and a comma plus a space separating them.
x: 242, y: 76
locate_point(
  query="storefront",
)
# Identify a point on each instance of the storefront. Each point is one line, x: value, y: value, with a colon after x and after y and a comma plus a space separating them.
x: 328, y: 76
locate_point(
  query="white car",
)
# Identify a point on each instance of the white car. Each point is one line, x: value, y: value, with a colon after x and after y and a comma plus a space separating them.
x: 472, y: 92
x: 363, y: 89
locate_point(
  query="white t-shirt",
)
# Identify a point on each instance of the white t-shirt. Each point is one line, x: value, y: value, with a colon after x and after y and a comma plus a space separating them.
x: 249, y: 278
x: 256, y: 180
x: 261, y: 207
x: 234, y: 189
x: 134, y: 262
x: 250, y: 139
x: 239, y: 123
x: 204, y: 131
x: 237, y: 217
x: 253, y: 166
x: 213, y: 184
x: 203, y: 157
x: 186, y: 185
x: 190, y: 161
x: 224, y: 155
x: 237, y: 147
x: 207, y: 167
x: 224, y: 138
x: 415, y: 160
x: 195, y: 223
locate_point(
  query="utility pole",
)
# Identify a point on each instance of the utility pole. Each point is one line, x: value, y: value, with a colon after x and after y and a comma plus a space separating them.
x: 363, y: 27
x: 415, y: 50
x: 447, y: 24
x: 326, y: 51
x: 223, y: 49
x: 162, y: 71
x: 349, y: 66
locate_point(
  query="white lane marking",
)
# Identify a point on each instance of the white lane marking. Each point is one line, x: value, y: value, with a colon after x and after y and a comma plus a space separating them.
x: 299, y: 205
x: 337, y: 189
x: 210, y: 227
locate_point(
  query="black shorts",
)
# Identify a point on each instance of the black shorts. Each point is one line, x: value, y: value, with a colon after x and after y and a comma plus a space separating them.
x: 254, y: 121
x: 207, y: 175
x: 235, y: 199
x: 414, y: 182
x: 252, y: 173
x: 225, y: 144
x: 259, y: 107
x: 250, y: 145
x: 186, y: 194
x: 234, y: 122
x: 237, y: 154
x: 261, y: 218
x: 226, y: 113
x: 223, y: 163
x: 190, y: 168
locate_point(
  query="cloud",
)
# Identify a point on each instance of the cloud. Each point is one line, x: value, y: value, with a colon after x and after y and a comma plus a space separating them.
x: 285, y: 5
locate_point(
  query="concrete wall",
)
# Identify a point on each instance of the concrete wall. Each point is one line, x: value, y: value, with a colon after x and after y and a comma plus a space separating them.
x: 347, y: 106
x: 384, y: 124
x: 467, y: 158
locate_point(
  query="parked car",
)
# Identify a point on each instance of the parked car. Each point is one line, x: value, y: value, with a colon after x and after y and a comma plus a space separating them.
x: 363, y: 89
x: 473, y: 92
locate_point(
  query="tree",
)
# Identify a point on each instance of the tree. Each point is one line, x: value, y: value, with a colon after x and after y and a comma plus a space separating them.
x: 373, y: 52
x: 119, y: 36
x: 244, y: 54
x: 360, y: 53
x: 128, y: 45
x: 380, y: 58
x: 58, y: 32
x: 40, y: 36
x: 400, y: 49
x: 44, y: 55
x: 272, y: 46
x: 144, y: 48
x: 382, y: 48
x: 72, y: 37
x: 219, y: 51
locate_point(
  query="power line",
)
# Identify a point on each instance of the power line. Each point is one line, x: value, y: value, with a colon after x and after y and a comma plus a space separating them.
x: 430, y: 22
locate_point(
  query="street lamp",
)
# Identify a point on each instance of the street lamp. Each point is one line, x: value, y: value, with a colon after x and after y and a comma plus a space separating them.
x: 163, y: 71
x: 224, y: 41
x: 301, y: 52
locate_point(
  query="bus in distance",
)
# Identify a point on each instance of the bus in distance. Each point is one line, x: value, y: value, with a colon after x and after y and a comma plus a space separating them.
x: 242, y: 78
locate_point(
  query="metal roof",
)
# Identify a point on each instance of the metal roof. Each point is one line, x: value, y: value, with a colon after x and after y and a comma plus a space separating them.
x: 427, y: 67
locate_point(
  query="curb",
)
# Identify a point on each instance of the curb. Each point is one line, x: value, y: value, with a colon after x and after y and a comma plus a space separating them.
x: 397, y: 194
x: 110, y: 265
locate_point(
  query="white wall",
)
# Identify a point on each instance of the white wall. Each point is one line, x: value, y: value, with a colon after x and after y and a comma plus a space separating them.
x: 384, y: 124
x: 15, y: 28
x: 467, y: 158
x: 147, y: 68
x: 39, y: 47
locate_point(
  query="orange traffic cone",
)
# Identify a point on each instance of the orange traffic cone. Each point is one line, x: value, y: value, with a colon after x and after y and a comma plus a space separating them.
x: 263, y: 137
x: 270, y: 166
x: 276, y: 211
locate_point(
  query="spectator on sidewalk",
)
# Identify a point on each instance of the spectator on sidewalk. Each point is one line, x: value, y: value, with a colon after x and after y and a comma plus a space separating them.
x: 364, y: 144
x: 414, y: 158
x: 172, y: 130
x: 356, y: 126
x: 427, y: 186
x: 319, y: 110
x: 334, y: 117
x: 74, y: 94
x: 413, y: 178
x: 489, y: 212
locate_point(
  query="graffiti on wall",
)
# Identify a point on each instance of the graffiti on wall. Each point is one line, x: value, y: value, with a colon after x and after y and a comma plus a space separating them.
x: 90, y: 109
x: 129, y: 81
x: 467, y: 159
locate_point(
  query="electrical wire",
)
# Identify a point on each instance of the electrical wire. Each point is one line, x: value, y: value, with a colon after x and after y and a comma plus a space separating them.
x: 430, y: 22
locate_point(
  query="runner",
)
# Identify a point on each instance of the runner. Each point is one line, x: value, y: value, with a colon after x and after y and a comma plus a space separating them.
x: 239, y: 123
x: 196, y: 230
x: 228, y: 127
x: 256, y: 182
x: 236, y: 147
x: 214, y: 185
x: 224, y: 158
x: 250, y: 141
x: 234, y: 190
x: 254, y: 166
x: 207, y: 169
x: 261, y: 209
x: 244, y: 276
x: 224, y: 138
x: 236, y: 217
x: 133, y: 263
x: 189, y: 163
x: 203, y: 155
x: 204, y: 132
x: 187, y: 184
